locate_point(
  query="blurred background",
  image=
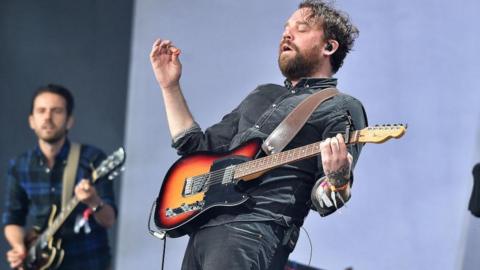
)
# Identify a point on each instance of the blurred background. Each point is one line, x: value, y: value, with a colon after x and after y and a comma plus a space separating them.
x: 415, y: 62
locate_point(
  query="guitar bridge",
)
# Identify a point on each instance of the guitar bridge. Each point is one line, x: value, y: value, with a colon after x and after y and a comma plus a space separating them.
x: 184, y: 208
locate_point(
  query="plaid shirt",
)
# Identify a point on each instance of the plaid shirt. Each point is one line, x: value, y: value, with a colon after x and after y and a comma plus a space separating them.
x: 32, y: 188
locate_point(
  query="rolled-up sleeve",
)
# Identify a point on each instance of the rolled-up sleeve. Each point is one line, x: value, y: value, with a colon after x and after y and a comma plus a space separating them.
x: 215, y: 138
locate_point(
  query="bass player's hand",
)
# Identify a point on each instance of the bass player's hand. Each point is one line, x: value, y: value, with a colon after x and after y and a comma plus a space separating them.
x: 15, y: 256
x: 87, y: 194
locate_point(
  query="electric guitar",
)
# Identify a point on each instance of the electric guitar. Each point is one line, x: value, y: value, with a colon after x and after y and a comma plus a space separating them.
x: 202, y: 182
x: 45, y: 251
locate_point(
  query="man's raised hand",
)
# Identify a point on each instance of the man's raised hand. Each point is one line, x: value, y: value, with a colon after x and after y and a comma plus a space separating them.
x: 165, y: 64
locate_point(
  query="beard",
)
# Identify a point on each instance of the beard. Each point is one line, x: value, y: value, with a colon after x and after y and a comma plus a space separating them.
x: 51, y: 137
x: 299, y: 65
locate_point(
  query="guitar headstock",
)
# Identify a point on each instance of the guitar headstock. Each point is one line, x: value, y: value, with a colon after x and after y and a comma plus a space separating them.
x: 381, y: 133
x: 111, y: 165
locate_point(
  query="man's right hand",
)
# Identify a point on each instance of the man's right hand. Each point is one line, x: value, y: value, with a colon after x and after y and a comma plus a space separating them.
x: 165, y: 64
x: 15, y: 256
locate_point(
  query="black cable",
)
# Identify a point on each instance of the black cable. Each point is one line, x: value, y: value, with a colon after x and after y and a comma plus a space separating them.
x: 311, y: 246
x: 164, y: 247
x: 158, y: 234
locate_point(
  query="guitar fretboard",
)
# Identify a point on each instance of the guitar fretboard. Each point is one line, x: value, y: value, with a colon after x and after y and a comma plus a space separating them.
x: 278, y: 159
x: 61, y: 217
x: 250, y: 170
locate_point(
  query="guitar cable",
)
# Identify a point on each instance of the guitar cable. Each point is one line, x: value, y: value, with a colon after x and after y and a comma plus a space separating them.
x: 163, y: 253
x: 158, y: 234
x: 311, y: 246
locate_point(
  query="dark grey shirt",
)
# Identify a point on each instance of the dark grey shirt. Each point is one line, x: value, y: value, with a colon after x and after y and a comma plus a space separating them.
x: 282, y: 195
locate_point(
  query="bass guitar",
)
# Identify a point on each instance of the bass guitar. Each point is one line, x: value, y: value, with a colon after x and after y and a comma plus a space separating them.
x: 201, y: 182
x: 44, y: 251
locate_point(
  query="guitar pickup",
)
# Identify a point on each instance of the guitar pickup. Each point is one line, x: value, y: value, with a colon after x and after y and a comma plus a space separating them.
x: 188, y: 187
x: 194, y: 184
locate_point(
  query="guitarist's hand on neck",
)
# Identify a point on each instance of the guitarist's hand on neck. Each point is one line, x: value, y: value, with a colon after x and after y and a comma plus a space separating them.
x: 337, y: 163
x: 87, y: 194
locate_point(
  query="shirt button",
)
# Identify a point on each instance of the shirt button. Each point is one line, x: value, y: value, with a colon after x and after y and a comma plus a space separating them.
x: 293, y: 91
x: 306, y: 85
x: 52, y: 189
x: 47, y: 170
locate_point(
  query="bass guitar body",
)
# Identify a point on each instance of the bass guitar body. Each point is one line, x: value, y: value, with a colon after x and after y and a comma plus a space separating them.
x: 44, y: 254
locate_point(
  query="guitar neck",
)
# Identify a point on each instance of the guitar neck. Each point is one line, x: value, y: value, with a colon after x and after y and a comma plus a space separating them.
x: 252, y: 169
x: 64, y: 214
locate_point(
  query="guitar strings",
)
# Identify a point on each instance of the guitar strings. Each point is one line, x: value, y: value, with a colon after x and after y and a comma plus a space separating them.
x: 203, y: 181
x: 283, y: 156
x: 199, y: 181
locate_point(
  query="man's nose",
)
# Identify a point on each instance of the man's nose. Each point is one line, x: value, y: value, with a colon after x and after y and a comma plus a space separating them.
x: 287, y: 34
x: 48, y: 114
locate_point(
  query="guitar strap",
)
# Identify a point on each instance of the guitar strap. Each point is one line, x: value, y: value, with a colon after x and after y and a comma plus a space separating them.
x: 295, y: 120
x: 70, y: 173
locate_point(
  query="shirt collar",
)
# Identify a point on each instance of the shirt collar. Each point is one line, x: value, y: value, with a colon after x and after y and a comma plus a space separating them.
x: 62, y: 155
x: 312, y: 83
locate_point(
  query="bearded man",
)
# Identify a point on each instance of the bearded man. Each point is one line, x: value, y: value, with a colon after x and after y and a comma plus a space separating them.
x: 315, y: 41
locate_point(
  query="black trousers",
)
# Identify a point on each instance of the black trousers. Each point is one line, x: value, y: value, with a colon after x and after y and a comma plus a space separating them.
x: 238, y: 245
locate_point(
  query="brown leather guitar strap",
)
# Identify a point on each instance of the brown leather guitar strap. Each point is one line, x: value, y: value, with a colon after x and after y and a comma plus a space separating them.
x: 291, y: 125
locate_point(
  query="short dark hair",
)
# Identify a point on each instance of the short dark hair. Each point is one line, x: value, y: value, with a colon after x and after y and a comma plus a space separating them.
x: 55, y: 89
x: 336, y: 25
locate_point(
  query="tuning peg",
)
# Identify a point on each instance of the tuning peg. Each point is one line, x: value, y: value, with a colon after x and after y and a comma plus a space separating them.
x: 122, y: 168
x: 110, y: 177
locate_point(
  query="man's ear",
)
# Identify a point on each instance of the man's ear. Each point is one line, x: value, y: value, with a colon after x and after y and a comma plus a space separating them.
x: 70, y: 122
x: 331, y: 46
x: 31, y: 122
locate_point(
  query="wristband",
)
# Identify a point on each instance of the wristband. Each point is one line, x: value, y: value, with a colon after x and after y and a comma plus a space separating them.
x: 341, y: 188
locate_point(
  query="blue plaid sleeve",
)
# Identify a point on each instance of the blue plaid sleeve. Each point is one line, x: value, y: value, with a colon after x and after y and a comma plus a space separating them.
x: 16, y: 199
